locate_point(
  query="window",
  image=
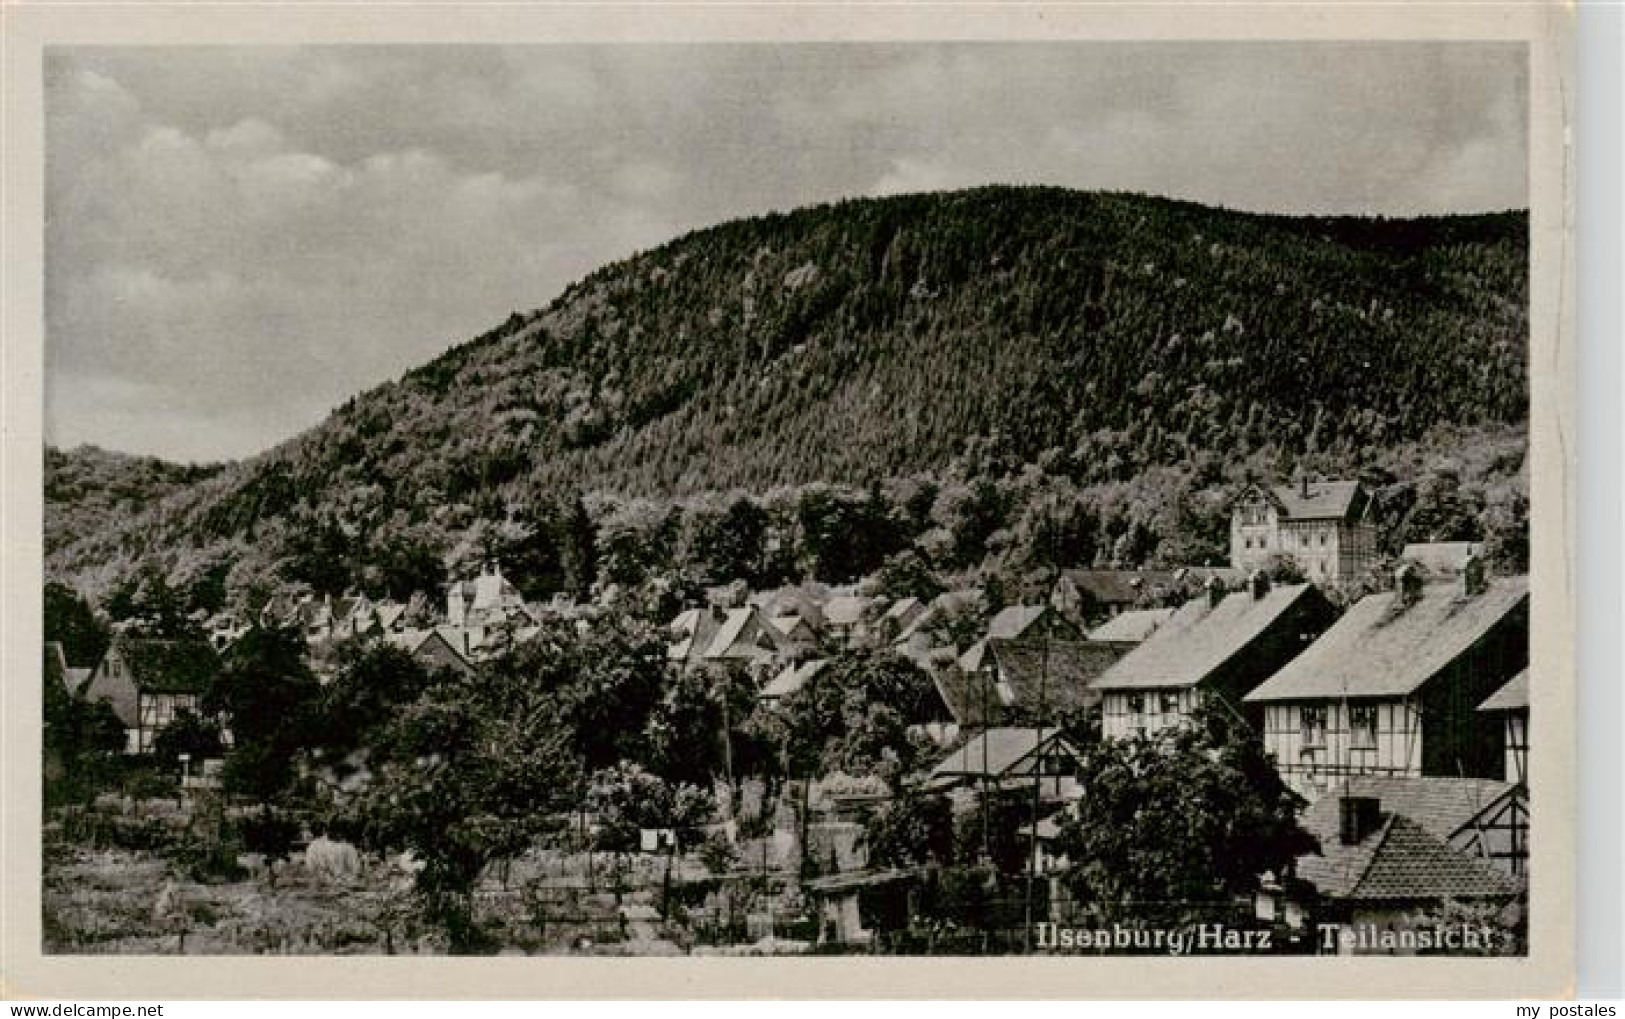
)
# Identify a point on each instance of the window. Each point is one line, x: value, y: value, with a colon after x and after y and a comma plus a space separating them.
x: 1169, y: 703
x: 1363, y: 726
x: 1312, y: 726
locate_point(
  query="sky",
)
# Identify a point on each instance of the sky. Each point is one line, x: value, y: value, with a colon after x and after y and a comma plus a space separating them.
x: 238, y: 239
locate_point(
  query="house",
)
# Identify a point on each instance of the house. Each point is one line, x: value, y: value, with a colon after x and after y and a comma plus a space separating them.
x: 1376, y: 869
x: 1440, y: 558
x: 434, y: 648
x: 1093, y: 595
x: 1011, y: 757
x: 916, y: 639
x: 844, y: 618
x: 484, y: 601
x: 1511, y: 702
x: 742, y: 636
x: 1484, y: 818
x: 147, y: 682
x: 1129, y: 630
x: 1393, y: 688
x: 1217, y: 646
x: 1033, y: 663
x: 1323, y: 525
x: 797, y: 631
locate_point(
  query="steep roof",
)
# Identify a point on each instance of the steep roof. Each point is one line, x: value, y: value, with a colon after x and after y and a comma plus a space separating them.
x: 1325, y: 500
x: 1400, y: 861
x: 1442, y: 806
x: 1059, y: 675
x: 964, y: 695
x: 1378, y: 650
x: 1199, y: 638
x: 993, y: 752
x: 1129, y: 627
x: 733, y: 627
x: 169, y: 666
x: 1514, y: 696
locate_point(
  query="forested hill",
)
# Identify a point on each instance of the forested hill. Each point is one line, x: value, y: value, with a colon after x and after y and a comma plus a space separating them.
x: 975, y: 332
x: 89, y: 490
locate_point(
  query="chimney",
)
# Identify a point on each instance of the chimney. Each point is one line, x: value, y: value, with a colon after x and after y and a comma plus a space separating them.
x: 1474, y: 576
x: 1408, y: 584
x: 1357, y: 817
x: 1258, y: 584
x: 1215, y: 592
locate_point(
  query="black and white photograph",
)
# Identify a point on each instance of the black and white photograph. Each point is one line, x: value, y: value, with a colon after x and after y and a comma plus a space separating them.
x: 894, y: 498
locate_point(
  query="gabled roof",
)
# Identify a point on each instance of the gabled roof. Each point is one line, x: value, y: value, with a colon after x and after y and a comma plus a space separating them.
x: 1379, y: 650
x: 1058, y: 675
x: 1400, y: 861
x: 1442, y: 806
x: 790, y: 624
x: 1514, y: 696
x: 1131, y: 627
x: 733, y: 627
x: 1200, y: 637
x: 169, y: 666
x: 995, y: 752
x: 1325, y: 500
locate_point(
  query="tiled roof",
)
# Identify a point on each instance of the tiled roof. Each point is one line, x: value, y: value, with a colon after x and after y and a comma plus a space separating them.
x: 992, y: 752
x: 1200, y: 637
x: 1512, y: 697
x: 1377, y: 650
x: 1400, y: 861
x: 1326, y: 500
x: 1058, y: 674
x: 1130, y: 627
x: 1443, y: 806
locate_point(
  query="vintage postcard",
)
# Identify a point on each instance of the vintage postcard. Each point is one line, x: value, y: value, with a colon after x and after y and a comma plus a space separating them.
x: 1043, y: 500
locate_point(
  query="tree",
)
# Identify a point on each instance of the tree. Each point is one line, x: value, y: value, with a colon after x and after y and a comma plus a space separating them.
x: 912, y: 830
x: 907, y: 575
x: 1176, y: 828
x: 474, y: 771
x: 71, y: 622
x: 190, y: 734
x: 268, y: 695
x: 605, y: 680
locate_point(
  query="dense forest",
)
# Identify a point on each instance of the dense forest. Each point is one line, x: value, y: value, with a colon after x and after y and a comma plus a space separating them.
x: 983, y: 384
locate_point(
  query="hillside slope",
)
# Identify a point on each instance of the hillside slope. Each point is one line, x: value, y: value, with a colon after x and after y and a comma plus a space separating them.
x: 1098, y: 335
